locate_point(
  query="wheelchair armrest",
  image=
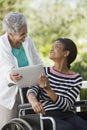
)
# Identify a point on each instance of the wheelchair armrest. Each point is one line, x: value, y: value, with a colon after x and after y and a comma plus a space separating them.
x: 25, y: 106
x: 81, y: 103
x: 25, y: 109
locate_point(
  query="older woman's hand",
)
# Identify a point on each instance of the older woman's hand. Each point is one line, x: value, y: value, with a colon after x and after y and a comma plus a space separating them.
x: 15, y: 77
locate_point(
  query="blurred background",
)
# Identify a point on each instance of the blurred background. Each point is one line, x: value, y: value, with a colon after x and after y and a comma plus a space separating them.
x: 50, y: 19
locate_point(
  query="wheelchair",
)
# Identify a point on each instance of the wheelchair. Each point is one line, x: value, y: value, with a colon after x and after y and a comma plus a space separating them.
x: 27, y: 118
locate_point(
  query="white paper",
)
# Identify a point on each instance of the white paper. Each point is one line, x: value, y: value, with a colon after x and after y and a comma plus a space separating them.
x: 30, y: 75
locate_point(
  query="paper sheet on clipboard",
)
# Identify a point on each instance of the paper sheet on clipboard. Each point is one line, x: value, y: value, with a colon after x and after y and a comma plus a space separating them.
x: 30, y: 75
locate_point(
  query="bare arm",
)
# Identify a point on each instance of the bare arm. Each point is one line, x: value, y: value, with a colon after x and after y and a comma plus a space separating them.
x: 36, y: 105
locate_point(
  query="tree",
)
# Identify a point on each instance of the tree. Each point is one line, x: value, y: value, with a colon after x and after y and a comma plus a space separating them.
x: 49, y: 20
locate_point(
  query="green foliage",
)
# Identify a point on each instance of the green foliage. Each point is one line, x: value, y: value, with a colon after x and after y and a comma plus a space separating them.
x: 83, y: 96
x: 48, y: 20
x: 81, y: 67
x: 81, y: 62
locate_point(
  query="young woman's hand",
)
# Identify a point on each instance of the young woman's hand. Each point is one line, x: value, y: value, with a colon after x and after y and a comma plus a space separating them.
x: 37, y: 107
x: 43, y: 81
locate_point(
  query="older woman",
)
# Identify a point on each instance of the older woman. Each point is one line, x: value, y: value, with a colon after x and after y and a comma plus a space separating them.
x: 59, y: 88
x: 16, y: 50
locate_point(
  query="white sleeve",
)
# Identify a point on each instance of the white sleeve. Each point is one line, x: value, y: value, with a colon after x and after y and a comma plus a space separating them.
x: 7, y: 62
x: 32, y: 53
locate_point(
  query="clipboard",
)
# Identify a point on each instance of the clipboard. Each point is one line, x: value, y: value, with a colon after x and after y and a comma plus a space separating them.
x: 30, y: 75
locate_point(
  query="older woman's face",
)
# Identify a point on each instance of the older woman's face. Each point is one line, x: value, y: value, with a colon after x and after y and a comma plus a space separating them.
x: 20, y: 37
x: 57, y: 51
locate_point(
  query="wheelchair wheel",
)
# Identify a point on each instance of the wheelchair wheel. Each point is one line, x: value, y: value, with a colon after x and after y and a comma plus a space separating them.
x: 17, y: 124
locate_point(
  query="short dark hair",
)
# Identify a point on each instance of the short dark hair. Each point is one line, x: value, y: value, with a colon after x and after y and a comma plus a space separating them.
x: 71, y: 46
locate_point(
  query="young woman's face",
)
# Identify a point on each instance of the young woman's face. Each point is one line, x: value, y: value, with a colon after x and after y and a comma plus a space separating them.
x: 57, y: 51
x: 20, y: 37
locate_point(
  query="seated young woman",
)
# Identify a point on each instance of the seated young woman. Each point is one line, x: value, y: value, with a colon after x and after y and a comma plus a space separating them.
x: 59, y: 88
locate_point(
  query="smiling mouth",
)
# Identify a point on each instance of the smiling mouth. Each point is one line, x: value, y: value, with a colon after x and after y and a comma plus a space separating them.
x: 51, y: 52
x: 23, y: 39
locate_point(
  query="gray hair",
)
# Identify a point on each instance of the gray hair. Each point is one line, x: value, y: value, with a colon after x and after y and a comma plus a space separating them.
x: 13, y: 22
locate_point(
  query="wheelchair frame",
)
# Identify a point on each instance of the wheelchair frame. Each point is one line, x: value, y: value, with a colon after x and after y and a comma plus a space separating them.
x: 21, y: 123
